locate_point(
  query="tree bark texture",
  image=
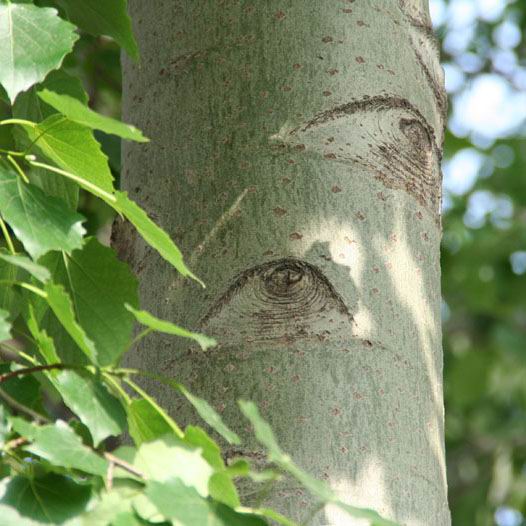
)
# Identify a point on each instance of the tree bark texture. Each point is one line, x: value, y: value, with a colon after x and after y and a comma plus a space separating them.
x: 295, y: 160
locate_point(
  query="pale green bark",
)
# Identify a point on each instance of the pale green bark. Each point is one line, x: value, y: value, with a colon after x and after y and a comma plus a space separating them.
x: 295, y: 159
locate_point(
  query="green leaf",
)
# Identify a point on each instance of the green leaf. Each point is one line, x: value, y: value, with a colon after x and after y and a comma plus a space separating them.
x: 89, y: 399
x: 271, y: 514
x: 152, y: 234
x: 186, y: 507
x: 198, y: 438
x: 5, y: 326
x: 223, y: 489
x: 72, y: 148
x: 61, y: 446
x: 30, y: 106
x: 127, y: 518
x: 145, y: 318
x: 77, y: 112
x: 52, y: 499
x: 103, y: 18
x: 203, y: 408
x: 41, y: 222
x: 210, y: 416
x: 178, y: 502
x: 220, y: 484
x: 168, y: 458
x: 10, y: 299
x: 37, y: 271
x: 24, y: 389
x: 319, y: 489
x: 61, y: 305
x: 145, y: 423
x: 99, y: 285
x: 45, y: 344
x: 111, y: 505
x: 33, y: 41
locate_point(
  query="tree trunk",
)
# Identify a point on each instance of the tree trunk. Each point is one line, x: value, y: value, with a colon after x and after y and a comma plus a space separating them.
x: 295, y: 160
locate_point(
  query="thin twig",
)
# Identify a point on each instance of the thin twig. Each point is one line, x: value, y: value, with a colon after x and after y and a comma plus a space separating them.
x: 30, y: 370
x: 16, y: 443
x: 17, y: 406
x: 124, y: 465
x: 109, y: 476
x: 17, y: 167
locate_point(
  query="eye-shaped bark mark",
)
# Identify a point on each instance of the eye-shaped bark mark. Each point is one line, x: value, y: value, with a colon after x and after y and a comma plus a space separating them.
x: 284, y: 299
x: 388, y: 136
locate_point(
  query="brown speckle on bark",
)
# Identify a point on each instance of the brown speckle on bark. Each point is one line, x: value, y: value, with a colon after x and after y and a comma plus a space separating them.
x: 336, y: 189
x: 278, y: 211
x: 327, y: 40
x: 360, y: 60
x: 279, y: 15
x: 296, y: 236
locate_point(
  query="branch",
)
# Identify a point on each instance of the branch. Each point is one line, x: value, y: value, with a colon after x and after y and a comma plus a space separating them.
x: 124, y: 465
x: 30, y: 370
x: 17, y: 406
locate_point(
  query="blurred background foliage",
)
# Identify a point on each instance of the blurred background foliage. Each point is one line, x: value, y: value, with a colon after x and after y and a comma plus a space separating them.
x: 484, y: 245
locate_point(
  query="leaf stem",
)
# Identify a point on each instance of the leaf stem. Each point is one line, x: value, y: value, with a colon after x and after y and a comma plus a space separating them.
x: 18, y: 169
x: 23, y: 122
x: 7, y: 237
x: 24, y: 285
x: 13, y: 153
x: 117, y: 386
x: 140, y: 336
x: 124, y: 465
x: 82, y: 182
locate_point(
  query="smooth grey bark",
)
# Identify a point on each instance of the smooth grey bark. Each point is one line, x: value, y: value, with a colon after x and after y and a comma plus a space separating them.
x: 295, y: 160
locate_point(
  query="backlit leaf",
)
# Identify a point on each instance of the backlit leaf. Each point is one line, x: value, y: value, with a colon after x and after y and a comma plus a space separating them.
x: 41, y: 222
x: 61, y: 446
x: 72, y: 147
x: 33, y: 41
x: 153, y: 234
x: 75, y: 111
x: 149, y: 320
